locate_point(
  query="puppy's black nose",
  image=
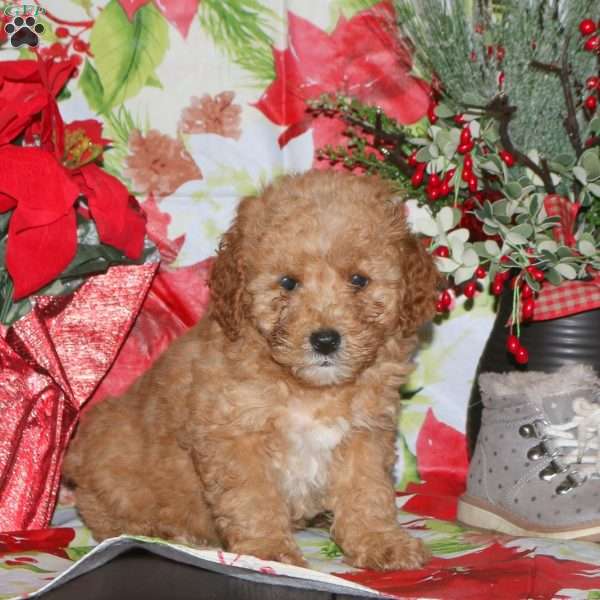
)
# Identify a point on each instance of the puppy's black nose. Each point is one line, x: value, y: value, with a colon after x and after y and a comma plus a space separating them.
x: 325, y: 341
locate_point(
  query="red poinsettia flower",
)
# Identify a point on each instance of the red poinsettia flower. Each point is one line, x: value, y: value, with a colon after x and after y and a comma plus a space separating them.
x: 42, y: 234
x: 442, y: 465
x: 493, y: 572
x: 116, y: 213
x: 180, y: 13
x: 83, y: 143
x: 43, y: 229
x: 50, y: 541
x: 27, y: 104
x: 362, y: 57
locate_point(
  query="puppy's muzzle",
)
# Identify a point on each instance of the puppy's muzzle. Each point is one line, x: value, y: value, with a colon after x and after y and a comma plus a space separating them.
x: 325, y: 341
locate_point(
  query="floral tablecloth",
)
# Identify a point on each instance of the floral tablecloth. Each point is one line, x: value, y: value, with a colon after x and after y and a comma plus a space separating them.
x: 204, y: 101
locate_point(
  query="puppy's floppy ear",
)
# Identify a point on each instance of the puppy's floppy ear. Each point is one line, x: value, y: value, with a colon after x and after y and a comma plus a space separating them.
x: 422, y: 280
x: 228, y: 278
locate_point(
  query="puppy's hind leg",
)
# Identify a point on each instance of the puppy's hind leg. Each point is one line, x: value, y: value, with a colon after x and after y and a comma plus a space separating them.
x: 96, y: 516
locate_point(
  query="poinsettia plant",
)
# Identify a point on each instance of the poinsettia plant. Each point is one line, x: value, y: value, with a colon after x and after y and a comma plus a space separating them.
x: 506, y: 165
x: 62, y: 217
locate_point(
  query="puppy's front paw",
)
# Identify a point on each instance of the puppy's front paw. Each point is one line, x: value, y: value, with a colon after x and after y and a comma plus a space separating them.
x: 279, y: 549
x: 387, y: 550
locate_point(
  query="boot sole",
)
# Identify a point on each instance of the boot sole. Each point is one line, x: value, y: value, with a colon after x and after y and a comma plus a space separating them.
x: 478, y: 513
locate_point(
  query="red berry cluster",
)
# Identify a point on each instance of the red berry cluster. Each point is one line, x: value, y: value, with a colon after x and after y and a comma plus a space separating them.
x: 444, y: 302
x: 60, y: 51
x: 469, y: 289
x: 437, y: 187
x: 592, y: 84
x: 513, y: 345
x: 527, y: 303
x: 589, y: 30
x: 467, y: 174
x: 466, y: 141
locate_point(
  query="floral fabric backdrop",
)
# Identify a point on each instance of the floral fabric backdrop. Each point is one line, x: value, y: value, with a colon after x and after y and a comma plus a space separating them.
x: 204, y: 101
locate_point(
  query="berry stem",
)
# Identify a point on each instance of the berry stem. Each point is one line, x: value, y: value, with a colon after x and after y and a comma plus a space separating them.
x: 502, y: 111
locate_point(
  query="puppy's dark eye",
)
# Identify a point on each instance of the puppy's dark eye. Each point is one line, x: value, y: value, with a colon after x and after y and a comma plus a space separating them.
x: 288, y: 283
x: 359, y: 281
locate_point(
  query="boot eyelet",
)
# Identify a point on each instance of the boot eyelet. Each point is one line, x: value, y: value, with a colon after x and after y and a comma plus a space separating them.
x: 537, y: 452
x: 564, y: 488
x: 571, y: 482
x: 527, y: 431
x: 551, y: 471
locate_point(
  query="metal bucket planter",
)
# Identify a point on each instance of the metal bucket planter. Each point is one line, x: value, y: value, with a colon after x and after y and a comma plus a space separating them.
x: 551, y: 344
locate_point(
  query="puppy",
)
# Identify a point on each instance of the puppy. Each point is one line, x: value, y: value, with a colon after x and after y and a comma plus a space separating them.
x: 282, y: 403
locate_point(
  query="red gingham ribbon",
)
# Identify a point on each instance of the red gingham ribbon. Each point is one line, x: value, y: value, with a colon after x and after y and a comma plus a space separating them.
x: 570, y: 297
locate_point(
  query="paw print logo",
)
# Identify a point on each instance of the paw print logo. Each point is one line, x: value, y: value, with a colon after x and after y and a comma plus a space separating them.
x: 24, y: 31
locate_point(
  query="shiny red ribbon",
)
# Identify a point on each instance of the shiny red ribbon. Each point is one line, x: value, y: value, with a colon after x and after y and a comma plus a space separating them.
x: 51, y: 361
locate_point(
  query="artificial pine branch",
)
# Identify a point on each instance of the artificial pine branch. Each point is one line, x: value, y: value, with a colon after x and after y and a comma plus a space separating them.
x: 564, y: 74
x: 468, y: 46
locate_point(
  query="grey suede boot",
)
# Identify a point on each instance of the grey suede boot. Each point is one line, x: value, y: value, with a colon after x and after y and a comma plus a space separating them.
x: 536, y: 466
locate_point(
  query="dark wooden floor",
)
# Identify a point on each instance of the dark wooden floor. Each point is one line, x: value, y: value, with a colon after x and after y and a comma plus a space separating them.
x: 144, y: 576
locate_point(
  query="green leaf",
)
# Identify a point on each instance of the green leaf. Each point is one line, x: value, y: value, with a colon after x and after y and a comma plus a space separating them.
x: 442, y: 138
x: 515, y: 238
x: 127, y: 52
x: 449, y: 149
x: 564, y: 252
x: 461, y: 234
x: 445, y: 265
x: 4, y: 220
x: 594, y: 188
x: 580, y: 174
x: 491, y: 167
x: 566, y: 160
x: 443, y: 111
x: 91, y: 86
x: 463, y: 274
x: 548, y: 245
x: 567, y: 271
x: 427, y: 226
x: 513, y: 190
x: 456, y: 249
x: 243, y: 28
x: 492, y: 248
x: 154, y: 81
x: 77, y: 552
x: 586, y: 248
x: 448, y: 218
x: 524, y: 230
x: 331, y: 550
x: 500, y: 208
x: 470, y: 258
x: 591, y: 163
x: 423, y: 155
x: 553, y: 276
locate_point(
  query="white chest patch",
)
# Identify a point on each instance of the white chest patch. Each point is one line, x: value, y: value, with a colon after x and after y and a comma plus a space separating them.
x: 310, y: 446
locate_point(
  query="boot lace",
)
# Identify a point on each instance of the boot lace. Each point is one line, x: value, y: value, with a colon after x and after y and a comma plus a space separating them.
x: 578, y: 440
x: 573, y: 445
